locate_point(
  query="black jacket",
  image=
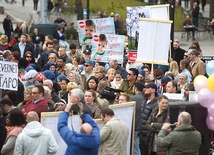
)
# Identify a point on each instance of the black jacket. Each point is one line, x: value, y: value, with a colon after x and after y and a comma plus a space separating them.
x: 7, y: 25
x: 28, y: 47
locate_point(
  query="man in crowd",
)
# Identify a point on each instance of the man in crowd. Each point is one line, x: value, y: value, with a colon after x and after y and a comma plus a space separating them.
x: 149, y: 103
x: 61, y: 66
x: 49, y: 84
x: 34, y: 138
x: 88, y: 71
x: 127, y: 85
x: 176, y: 141
x: 197, y: 66
x: 85, y: 142
x: 38, y: 103
x: 23, y: 46
x: 114, y: 64
x: 171, y: 87
x: 8, y: 27
x: 178, y: 52
x: 100, y: 73
x: 74, y: 52
x: 138, y: 98
x: 114, y: 134
x: 62, y: 53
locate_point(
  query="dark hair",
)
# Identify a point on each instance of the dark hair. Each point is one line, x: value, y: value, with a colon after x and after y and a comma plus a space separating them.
x: 162, y: 97
x: 89, y: 22
x: 5, y: 101
x: 185, y: 63
x: 170, y: 75
x: 107, y: 111
x: 17, y: 118
x: 146, y: 66
x: 72, y: 46
x: 139, y: 86
x: 40, y: 89
x: 118, y: 72
x: 13, y: 96
x: 174, y: 84
x: 55, y: 41
x: 135, y: 71
x: 62, y: 58
x: 92, y: 78
x: 102, y: 37
x: 49, y: 43
x: 158, y: 73
x: 66, y: 80
x: 16, y: 55
x: 77, y: 59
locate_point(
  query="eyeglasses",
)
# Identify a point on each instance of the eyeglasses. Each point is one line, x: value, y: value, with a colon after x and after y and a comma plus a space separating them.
x: 28, y: 56
x: 86, y: 65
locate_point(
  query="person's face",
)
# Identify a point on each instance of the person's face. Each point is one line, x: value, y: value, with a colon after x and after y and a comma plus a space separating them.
x: 186, y: 56
x: 118, y: 77
x: 191, y: 57
x: 88, y: 31
x: 111, y: 76
x: 87, y: 67
x: 181, y: 66
x: 50, y: 48
x: 46, y: 83
x: 86, y: 56
x: 73, y: 51
x: 35, y: 94
x: 60, y: 63
x: 105, y: 118
x: 101, y: 47
x: 98, y: 74
x: 75, y: 61
x: 35, y: 31
x: 28, y: 57
x: 71, y: 77
x: 175, y: 45
x: 47, y: 39
x: 148, y: 91
x: 27, y: 96
x: 62, y: 52
x: 13, y: 59
x: 23, y: 38
x: 163, y: 104
x: 73, y: 98
x: 88, y: 98
x: 52, y: 68
x: 48, y: 97
x: 122, y: 99
x: 182, y: 80
x: 8, y: 122
x: 51, y: 58
x: 63, y: 85
x: 169, y: 88
x: 111, y: 64
x: 130, y: 76
x: 146, y: 71
x: 140, y: 77
x: 92, y: 84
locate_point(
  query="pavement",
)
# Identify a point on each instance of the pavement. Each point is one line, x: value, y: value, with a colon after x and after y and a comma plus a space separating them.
x: 21, y: 13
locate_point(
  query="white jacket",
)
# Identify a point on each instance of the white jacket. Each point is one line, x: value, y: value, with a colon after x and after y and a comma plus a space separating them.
x: 35, y: 140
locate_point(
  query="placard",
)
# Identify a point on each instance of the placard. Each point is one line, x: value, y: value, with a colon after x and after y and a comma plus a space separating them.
x: 8, y: 75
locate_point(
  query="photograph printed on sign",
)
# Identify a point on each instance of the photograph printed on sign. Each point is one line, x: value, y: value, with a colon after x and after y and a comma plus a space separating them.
x: 107, y: 47
x: 89, y: 26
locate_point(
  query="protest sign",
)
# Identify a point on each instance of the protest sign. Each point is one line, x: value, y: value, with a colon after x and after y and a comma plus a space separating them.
x: 8, y: 75
x: 107, y: 47
x: 99, y: 25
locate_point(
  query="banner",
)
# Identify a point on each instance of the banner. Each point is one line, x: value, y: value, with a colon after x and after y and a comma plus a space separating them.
x: 100, y: 26
x: 107, y: 47
x: 8, y: 75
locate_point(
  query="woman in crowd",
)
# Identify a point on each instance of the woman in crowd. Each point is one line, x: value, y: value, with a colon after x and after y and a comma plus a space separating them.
x: 155, y: 122
x: 123, y: 98
x: 51, y: 66
x: 52, y: 57
x: 174, y: 69
x: 63, y: 87
x: 118, y: 79
x: 24, y: 27
x: 29, y: 57
x: 197, y: 46
x: 182, y: 82
x: 70, y: 86
x: 3, y: 43
x: 68, y: 68
x: 184, y: 67
x: 76, y: 62
x: 110, y: 74
x: 91, y: 101
x: 31, y: 77
x: 17, y: 31
x: 148, y: 76
x: 92, y: 83
x: 47, y: 39
x: 15, y: 123
x: 27, y: 96
x: 48, y: 99
x: 75, y: 77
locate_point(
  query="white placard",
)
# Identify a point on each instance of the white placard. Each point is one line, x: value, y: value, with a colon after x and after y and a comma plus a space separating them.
x: 8, y: 75
x: 154, y: 41
x: 174, y: 96
x: 159, y: 12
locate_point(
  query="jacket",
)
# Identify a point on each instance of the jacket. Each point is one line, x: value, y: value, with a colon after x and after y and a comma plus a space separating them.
x: 157, y: 121
x: 35, y: 139
x: 177, y: 140
x: 28, y: 47
x: 197, y: 68
x: 114, y: 137
x: 79, y: 143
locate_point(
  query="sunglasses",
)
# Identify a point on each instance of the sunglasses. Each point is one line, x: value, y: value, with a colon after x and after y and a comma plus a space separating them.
x: 28, y: 56
x: 86, y: 65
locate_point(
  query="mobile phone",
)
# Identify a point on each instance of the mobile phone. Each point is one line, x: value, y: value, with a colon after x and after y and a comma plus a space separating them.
x: 172, y: 126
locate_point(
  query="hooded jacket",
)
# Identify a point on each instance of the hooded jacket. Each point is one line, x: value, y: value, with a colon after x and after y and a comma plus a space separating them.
x: 79, y: 143
x: 35, y: 139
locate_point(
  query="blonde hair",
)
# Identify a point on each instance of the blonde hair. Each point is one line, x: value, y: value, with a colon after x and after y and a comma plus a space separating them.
x: 174, y: 68
x: 3, y: 38
x: 71, y: 85
x: 111, y: 70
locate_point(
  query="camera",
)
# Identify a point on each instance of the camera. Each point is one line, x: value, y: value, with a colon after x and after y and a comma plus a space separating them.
x: 172, y: 126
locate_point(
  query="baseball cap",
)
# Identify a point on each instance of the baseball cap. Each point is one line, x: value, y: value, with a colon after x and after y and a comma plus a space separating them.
x: 151, y: 85
x: 87, y: 51
x: 90, y: 62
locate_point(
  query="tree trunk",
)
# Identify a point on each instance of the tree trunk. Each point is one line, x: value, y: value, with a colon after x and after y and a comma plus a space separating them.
x: 211, y: 9
x: 79, y: 10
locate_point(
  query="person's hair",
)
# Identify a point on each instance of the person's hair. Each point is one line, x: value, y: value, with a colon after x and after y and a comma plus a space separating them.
x: 6, y: 53
x: 174, y: 68
x: 13, y: 96
x: 77, y: 78
x: 62, y: 48
x: 89, y: 22
x: 115, y: 62
x: 49, y: 81
x: 102, y: 84
x: 66, y: 81
x: 40, y: 89
x: 185, y: 63
x: 46, y: 90
x: 71, y: 85
x: 7, y: 101
x: 54, y: 55
x: 111, y: 70
x: 102, y: 37
x: 135, y: 71
x: 49, y: 37
x: 107, y: 111
x: 139, y: 86
x: 158, y: 73
x: 101, y: 69
x: 28, y: 52
x: 162, y: 97
x: 29, y: 89
x: 118, y: 72
x: 93, y: 94
x: 17, y: 117
x: 174, y: 84
x: 16, y: 55
x: 72, y: 46
x: 62, y: 58
x: 49, y: 43
x: 197, y: 45
x: 126, y: 96
x: 185, y: 119
x: 146, y: 66
x: 92, y: 78
x: 77, y: 59
x: 170, y: 75
x: 78, y: 93
x: 55, y: 41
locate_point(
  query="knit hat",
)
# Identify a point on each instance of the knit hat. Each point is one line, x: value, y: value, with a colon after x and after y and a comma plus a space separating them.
x: 50, y: 64
x: 61, y: 77
x: 30, y: 74
x: 165, y: 80
x: 142, y: 72
x: 29, y: 68
x: 49, y: 75
x: 35, y: 67
x: 62, y: 101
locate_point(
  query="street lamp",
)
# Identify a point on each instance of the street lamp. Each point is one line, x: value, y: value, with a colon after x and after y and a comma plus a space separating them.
x: 88, y: 16
x: 172, y: 12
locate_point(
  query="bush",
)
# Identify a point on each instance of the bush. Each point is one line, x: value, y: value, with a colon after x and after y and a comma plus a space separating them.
x: 71, y: 33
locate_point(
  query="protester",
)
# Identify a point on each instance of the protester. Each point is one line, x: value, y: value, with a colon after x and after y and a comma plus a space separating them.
x: 114, y: 134
x: 176, y: 140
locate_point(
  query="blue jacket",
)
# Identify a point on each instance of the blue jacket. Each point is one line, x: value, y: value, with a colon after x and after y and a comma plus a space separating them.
x: 79, y: 143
